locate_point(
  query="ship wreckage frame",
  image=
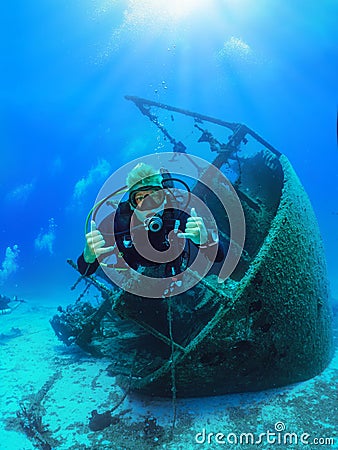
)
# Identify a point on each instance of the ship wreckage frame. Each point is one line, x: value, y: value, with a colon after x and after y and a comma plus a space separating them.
x: 267, y: 325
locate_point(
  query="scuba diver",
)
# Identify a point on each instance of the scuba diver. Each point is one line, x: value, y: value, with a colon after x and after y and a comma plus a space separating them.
x: 4, y: 304
x: 7, y: 304
x: 149, y: 207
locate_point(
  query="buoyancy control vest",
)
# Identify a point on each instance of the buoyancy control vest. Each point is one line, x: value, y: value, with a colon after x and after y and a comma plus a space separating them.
x: 126, y: 232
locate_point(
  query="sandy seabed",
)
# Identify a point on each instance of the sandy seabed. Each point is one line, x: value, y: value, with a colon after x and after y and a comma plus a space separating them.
x: 63, y: 385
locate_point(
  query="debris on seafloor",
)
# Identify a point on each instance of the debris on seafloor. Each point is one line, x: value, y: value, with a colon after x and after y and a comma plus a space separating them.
x: 29, y: 419
x: 13, y: 333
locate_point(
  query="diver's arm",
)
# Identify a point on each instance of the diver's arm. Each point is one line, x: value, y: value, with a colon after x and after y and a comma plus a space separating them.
x: 220, y: 253
x: 86, y: 268
x: 208, y: 251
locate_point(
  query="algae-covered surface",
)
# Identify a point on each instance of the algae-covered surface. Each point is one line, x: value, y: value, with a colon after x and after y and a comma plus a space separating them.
x: 48, y: 392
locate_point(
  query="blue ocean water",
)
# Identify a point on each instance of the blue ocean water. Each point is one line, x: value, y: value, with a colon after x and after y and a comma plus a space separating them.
x: 66, y: 69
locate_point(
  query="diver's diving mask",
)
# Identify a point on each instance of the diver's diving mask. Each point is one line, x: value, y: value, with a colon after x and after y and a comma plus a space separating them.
x: 147, y: 198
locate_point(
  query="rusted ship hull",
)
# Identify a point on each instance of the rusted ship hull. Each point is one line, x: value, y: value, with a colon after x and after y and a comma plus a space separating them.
x: 275, y: 329
x: 267, y: 325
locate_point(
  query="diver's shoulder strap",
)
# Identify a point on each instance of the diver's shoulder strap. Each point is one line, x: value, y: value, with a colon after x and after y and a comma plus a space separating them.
x: 122, y: 217
x: 124, y: 208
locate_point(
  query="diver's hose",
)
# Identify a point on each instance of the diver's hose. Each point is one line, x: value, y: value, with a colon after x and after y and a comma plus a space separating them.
x: 97, y: 206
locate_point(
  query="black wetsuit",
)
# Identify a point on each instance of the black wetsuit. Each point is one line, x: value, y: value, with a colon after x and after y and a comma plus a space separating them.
x: 159, y: 240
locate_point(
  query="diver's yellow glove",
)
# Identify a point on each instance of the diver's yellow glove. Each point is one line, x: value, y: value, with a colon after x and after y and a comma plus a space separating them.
x: 195, y: 229
x: 95, y: 245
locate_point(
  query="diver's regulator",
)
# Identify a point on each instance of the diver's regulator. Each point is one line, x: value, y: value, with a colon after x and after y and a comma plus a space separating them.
x: 154, y: 223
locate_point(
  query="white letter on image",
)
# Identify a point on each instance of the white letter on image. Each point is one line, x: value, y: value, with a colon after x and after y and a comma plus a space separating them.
x: 219, y: 438
x: 202, y: 435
